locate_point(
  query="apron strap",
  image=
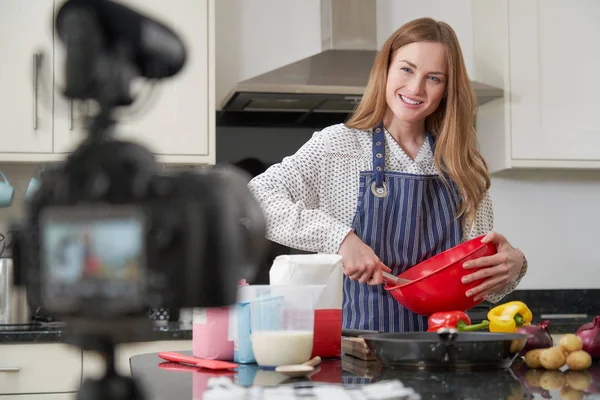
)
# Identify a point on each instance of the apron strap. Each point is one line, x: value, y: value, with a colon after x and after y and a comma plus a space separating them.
x: 429, y: 137
x: 453, y: 186
x: 379, y: 187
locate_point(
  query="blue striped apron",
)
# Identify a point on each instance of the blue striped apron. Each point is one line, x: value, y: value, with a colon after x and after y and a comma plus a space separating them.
x: 405, y: 219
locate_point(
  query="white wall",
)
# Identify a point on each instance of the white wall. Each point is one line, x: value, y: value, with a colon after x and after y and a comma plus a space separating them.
x: 554, y: 217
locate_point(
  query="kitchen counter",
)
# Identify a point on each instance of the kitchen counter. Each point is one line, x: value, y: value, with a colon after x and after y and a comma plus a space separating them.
x: 59, y: 332
x: 183, y: 382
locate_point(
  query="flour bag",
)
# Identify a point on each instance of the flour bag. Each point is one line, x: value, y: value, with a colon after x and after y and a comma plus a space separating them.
x: 317, y: 269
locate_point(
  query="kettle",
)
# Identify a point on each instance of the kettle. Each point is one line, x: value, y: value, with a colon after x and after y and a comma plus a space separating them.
x: 13, y: 299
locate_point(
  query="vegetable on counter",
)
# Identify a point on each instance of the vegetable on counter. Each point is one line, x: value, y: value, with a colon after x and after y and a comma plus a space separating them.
x: 453, y: 319
x: 567, y: 352
x: 552, y: 358
x: 540, y: 339
x: 570, y: 343
x: 508, y: 317
x: 590, y: 337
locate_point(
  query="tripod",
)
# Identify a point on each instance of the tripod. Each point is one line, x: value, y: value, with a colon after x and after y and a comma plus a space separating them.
x: 111, y: 386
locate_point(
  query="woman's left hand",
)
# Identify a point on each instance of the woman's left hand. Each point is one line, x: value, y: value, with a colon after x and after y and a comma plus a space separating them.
x: 500, y: 269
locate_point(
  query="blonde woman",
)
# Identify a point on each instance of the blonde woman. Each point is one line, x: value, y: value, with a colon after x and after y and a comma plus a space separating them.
x: 400, y: 181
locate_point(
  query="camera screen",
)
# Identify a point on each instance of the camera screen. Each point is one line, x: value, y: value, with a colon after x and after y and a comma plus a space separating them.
x: 93, y: 259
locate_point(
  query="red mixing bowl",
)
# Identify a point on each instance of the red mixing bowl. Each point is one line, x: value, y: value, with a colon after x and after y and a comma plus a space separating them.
x: 436, y: 283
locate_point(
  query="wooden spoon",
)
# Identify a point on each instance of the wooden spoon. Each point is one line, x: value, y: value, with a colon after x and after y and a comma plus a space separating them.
x: 394, y: 279
x: 296, y: 371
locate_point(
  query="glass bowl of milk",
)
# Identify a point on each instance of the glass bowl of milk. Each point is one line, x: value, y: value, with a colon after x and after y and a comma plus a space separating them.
x: 282, y: 319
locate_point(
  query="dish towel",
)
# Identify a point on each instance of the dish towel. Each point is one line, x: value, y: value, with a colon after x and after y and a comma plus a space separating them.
x: 221, y: 388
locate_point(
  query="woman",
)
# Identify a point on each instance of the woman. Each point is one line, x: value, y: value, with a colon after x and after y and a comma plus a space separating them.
x: 400, y: 181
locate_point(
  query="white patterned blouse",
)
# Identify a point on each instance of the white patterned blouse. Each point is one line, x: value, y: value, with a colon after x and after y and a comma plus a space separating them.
x: 310, y: 198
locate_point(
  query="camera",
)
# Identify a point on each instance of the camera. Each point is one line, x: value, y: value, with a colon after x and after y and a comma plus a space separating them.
x: 108, y: 234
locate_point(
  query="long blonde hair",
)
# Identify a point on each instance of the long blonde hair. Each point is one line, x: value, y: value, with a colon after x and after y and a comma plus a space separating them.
x: 452, y: 123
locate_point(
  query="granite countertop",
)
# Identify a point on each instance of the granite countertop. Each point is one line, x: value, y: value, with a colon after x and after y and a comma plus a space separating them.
x: 59, y: 332
x: 164, y: 380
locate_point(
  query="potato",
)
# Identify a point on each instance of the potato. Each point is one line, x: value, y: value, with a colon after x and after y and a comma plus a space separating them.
x: 568, y: 393
x: 551, y: 380
x: 579, y: 380
x: 579, y: 360
x: 517, y: 345
x: 532, y: 377
x: 570, y: 343
x: 552, y: 358
x: 532, y: 358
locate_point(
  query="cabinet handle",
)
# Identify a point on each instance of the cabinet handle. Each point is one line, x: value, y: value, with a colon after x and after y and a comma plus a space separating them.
x: 70, y: 115
x: 10, y: 369
x: 37, y: 57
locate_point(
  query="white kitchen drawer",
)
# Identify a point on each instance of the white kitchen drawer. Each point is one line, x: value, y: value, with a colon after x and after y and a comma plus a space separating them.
x: 45, y: 396
x: 39, y: 368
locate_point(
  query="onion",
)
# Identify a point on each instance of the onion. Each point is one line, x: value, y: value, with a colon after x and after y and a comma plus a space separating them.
x: 541, y: 337
x: 590, y: 336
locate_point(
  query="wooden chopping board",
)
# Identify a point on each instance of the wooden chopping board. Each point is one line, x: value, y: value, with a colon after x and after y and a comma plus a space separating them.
x: 357, y: 347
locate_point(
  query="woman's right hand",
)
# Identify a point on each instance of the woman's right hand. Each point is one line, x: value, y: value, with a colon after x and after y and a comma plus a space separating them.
x: 360, y: 261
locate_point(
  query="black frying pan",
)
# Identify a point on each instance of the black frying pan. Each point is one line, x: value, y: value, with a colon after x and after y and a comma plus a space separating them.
x: 446, y: 349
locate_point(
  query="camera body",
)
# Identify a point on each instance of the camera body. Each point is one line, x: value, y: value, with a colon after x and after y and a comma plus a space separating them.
x: 109, y: 235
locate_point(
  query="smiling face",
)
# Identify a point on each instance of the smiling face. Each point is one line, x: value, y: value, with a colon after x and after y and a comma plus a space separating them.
x: 416, y: 82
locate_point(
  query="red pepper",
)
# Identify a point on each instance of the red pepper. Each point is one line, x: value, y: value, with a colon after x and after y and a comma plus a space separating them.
x: 453, y: 319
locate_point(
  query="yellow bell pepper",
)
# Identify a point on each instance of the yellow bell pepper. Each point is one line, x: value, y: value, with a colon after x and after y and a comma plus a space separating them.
x: 509, y: 317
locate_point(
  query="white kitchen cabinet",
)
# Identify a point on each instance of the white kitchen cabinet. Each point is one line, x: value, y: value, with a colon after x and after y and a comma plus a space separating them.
x: 544, y: 54
x: 39, y: 368
x: 26, y: 75
x: 93, y: 365
x: 178, y: 122
x: 68, y: 127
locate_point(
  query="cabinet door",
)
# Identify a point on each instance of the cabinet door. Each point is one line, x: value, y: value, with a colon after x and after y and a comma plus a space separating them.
x: 177, y: 121
x: 26, y: 78
x: 68, y: 124
x: 554, y: 59
x: 40, y: 368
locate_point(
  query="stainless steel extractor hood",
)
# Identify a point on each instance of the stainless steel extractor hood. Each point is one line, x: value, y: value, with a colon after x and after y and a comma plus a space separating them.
x: 322, y: 89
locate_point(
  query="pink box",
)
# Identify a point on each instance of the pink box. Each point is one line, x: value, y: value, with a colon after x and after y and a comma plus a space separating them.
x: 210, y: 334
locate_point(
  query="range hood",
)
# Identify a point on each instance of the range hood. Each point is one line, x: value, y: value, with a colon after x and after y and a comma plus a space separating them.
x: 322, y: 89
